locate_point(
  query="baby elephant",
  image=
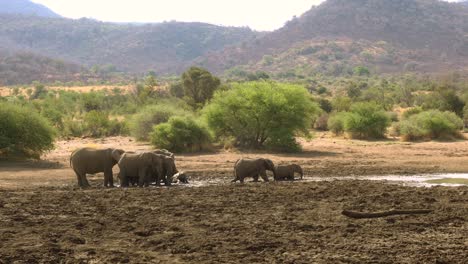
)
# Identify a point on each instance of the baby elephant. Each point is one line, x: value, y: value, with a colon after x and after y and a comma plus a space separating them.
x: 286, y: 172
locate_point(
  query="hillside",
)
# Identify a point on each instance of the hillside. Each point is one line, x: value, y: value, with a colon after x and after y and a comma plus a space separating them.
x: 24, y: 68
x: 164, y: 47
x: 25, y: 7
x: 338, y: 35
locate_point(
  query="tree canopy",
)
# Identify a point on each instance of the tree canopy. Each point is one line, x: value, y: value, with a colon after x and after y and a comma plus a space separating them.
x: 259, y: 113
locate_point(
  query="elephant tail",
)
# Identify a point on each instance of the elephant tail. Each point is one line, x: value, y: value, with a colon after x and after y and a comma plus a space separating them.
x: 235, y: 173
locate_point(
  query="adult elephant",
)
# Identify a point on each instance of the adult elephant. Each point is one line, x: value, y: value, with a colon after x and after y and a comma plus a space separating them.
x: 89, y: 161
x: 253, y: 168
x: 140, y: 166
x: 165, y: 171
x: 286, y: 172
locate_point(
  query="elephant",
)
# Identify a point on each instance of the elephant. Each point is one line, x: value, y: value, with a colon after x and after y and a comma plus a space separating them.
x: 166, y: 170
x: 253, y: 168
x: 139, y: 165
x: 286, y: 172
x: 89, y: 161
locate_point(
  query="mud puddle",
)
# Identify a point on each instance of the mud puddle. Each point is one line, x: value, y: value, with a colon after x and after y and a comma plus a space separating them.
x: 422, y: 180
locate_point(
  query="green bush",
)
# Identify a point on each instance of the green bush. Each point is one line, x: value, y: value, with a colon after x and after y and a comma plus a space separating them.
x: 261, y: 113
x: 24, y: 132
x: 432, y: 124
x: 141, y: 124
x: 336, y: 122
x: 180, y: 134
x: 366, y: 120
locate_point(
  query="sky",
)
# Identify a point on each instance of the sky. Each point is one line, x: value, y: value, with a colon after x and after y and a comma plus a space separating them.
x: 256, y: 14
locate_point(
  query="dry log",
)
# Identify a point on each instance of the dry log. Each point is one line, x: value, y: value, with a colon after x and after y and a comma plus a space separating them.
x: 359, y: 215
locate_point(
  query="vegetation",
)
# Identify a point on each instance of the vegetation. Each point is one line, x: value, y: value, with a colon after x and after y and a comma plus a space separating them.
x: 180, y: 134
x: 23, y: 133
x: 366, y: 120
x: 432, y: 124
x: 262, y: 113
x: 198, y: 86
x: 142, y: 123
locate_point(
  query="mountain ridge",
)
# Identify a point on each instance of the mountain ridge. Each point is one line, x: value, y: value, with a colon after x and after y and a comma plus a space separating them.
x: 26, y: 7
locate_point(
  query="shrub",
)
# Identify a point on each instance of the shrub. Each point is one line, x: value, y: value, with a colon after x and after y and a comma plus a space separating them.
x: 366, y: 120
x: 432, y: 124
x: 24, y: 132
x: 180, y: 134
x: 261, y: 113
x: 141, y: 124
x: 336, y: 123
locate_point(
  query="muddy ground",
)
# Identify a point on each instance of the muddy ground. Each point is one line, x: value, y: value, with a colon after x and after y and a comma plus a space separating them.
x: 44, y: 218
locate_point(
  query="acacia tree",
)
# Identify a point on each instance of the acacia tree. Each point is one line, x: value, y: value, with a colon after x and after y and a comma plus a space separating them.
x: 199, y: 86
x: 259, y: 113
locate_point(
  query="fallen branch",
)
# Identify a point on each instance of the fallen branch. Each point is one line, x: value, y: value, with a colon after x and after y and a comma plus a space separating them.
x: 359, y: 215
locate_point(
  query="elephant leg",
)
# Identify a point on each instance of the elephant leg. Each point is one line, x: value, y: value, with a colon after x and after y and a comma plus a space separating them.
x: 167, y: 182
x: 141, y: 177
x: 80, y: 182
x: 123, y: 179
x: 84, y: 181
x: 255, y: 178
x: 108, y: 178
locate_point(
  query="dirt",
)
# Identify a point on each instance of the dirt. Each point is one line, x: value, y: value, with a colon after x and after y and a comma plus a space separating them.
x: 8, y: 91
x: 45, y: 218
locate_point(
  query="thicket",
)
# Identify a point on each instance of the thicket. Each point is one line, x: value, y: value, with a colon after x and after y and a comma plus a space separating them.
x: 24, y: 132
x: 142, y: 123
x: 180, y: 134
x: 432, y: 124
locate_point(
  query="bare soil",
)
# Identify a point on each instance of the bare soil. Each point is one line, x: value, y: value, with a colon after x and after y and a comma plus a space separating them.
x: 45, y: 218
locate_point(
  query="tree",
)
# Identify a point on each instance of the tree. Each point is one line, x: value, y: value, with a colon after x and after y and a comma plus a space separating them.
x: 199, y: 86
x: 259, y: 113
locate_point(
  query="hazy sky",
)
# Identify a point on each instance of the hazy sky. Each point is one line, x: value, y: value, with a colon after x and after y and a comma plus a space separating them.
x: 257, y: 14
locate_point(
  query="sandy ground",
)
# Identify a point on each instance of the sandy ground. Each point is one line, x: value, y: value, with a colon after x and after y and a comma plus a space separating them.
x: 45, y: 218
x: 8, y: 91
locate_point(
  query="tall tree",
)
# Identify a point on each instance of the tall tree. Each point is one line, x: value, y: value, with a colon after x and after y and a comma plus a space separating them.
x: 199, y: 86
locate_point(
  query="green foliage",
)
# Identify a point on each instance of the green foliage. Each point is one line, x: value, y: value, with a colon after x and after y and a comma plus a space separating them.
x: 366, y: 120
x: 141, y: 124
x: 361, y: 71
x: 341, y: 103
x: 336, y: 122
x: 199, y: 86
x: 432, y: 124
x: 24, y: 132
x: 180, y: 134
x: 98, y: 124
x: 259, y: 113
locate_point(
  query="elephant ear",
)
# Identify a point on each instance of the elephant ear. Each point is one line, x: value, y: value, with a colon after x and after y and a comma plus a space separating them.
x: 269, y: 164
x: 117, y: 154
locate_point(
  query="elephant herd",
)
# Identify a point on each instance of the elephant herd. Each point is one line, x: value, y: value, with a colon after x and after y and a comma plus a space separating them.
x: 158, y: 166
